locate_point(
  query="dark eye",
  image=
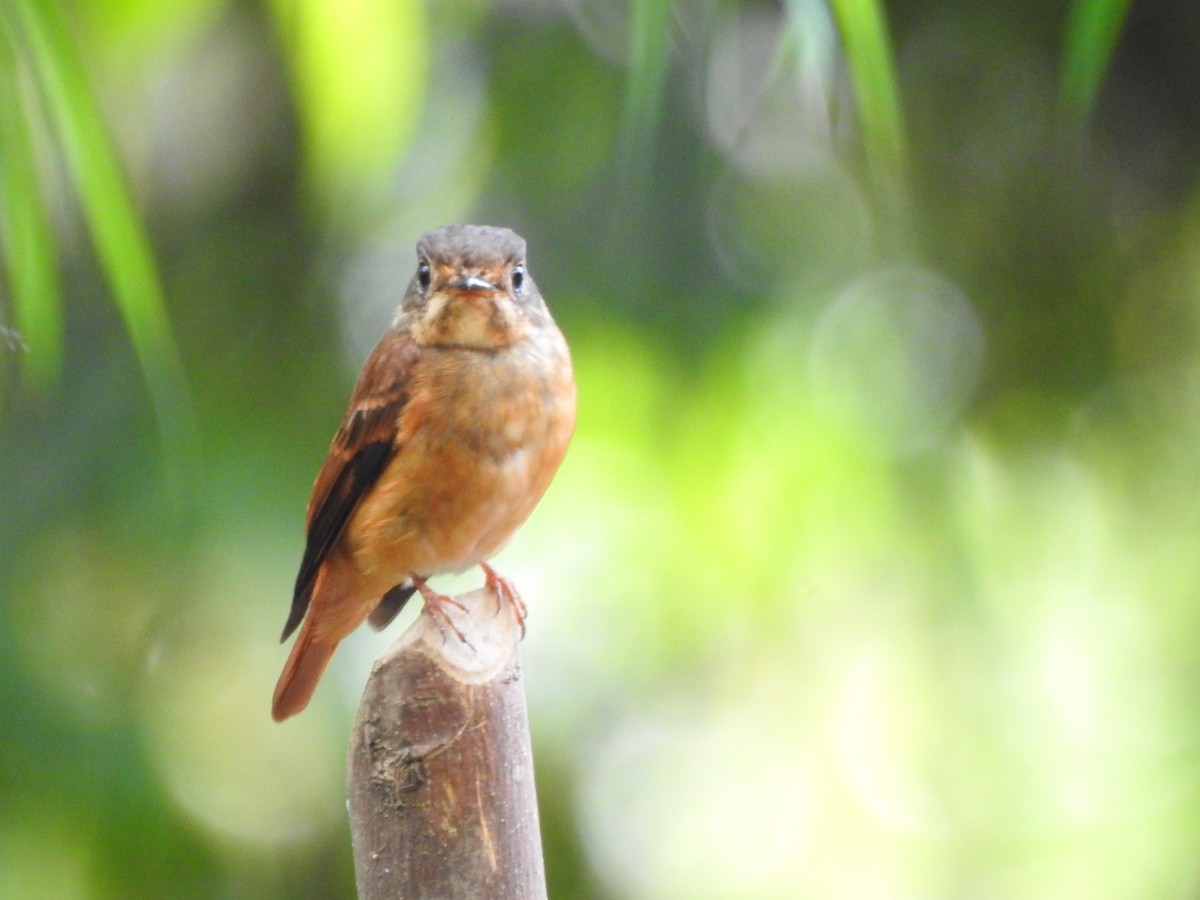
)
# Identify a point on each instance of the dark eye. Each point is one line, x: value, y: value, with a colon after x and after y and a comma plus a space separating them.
x: 518, y: 278
x: 424, y: 274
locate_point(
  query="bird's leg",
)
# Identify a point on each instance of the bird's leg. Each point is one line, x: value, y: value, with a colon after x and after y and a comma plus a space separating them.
x: 506, y: 593
x: 435, y: 603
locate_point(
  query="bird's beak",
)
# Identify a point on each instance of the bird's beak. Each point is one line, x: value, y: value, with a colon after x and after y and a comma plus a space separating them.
x: 471, y: 283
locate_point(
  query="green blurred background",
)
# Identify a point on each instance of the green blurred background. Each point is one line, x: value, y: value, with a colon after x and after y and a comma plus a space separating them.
x: 874, y: 567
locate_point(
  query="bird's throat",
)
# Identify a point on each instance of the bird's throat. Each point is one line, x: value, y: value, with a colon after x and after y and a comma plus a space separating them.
x: 470, y: 319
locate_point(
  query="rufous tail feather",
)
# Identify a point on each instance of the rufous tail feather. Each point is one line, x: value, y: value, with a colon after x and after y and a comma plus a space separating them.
x: 301, y: 673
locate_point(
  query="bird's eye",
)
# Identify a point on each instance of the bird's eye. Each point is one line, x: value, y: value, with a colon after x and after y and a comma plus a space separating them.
x: 424, y: 274
x: 518, y: 278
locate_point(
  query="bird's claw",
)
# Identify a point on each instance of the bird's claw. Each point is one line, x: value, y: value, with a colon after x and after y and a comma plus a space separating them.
x: 506, y: 593
x: 436, y: 603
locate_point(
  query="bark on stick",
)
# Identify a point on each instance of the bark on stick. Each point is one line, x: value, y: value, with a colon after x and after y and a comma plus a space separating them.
x: 440, y: 780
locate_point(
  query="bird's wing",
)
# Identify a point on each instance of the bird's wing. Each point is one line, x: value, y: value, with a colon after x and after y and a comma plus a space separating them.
x: 367, y: 441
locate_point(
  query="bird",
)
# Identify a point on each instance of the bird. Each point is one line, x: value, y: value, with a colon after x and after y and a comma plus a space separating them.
x: 457, y: 424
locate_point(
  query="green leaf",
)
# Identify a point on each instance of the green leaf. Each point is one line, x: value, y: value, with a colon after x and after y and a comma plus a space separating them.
x: 29, y: 248
x: 121, y: 243
x: 863, y: 29
x: 358, y: 70
x: 649, y: 52
x: 1092, y: 30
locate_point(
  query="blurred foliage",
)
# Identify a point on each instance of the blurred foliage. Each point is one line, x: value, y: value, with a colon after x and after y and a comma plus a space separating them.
x: 41, y: 51
x: 873, y: 568
x: 1092, y: 32
x: 868, y: 55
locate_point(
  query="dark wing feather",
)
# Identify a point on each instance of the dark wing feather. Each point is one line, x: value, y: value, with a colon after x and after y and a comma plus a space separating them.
x: 353, y: 481
x: 361, y: 451
x: 390, y: 604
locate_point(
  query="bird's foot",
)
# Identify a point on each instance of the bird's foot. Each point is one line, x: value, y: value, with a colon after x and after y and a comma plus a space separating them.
x: 436, y: 604
x: 506, y: 593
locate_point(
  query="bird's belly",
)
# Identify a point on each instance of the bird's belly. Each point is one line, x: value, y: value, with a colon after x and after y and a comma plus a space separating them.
x: 444, y: 509
x: 481, y: 448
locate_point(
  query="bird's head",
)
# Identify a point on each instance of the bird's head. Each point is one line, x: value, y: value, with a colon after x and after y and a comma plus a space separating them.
x: 471, y: 289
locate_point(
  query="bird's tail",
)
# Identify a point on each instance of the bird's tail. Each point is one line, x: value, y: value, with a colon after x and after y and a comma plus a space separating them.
x: 303, y: 670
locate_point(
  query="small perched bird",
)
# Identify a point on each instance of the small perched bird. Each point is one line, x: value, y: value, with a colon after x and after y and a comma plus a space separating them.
x: 458, y: 422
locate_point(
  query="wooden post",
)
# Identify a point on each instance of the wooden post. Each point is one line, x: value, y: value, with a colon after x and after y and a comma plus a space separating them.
x: 440, y: 775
